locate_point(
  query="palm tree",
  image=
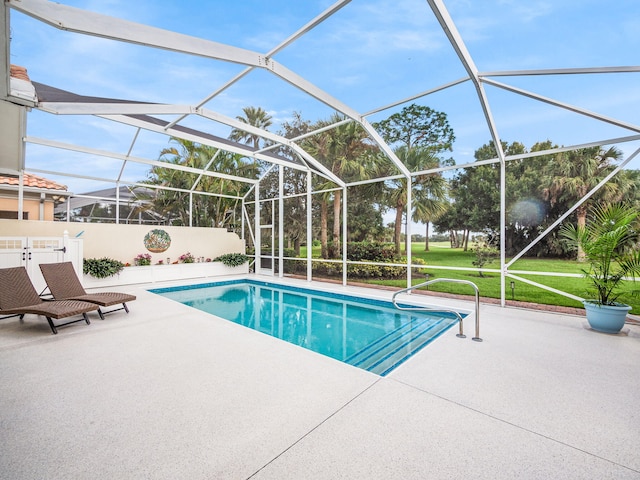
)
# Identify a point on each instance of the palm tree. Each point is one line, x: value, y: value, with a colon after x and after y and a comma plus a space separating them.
x: 430, y: 204
x: 207, y: 210
x: 573, y: 174
x: 429, y: 190
x: 256, y: 117
x: 344, y: 151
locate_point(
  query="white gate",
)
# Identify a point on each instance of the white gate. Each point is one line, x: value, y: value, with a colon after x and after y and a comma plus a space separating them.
x: 13, y: 251
x: 43, y: 250
x: 30, y: 252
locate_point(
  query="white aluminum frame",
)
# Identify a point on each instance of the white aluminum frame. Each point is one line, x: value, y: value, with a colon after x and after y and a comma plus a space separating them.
x: 91, y: 23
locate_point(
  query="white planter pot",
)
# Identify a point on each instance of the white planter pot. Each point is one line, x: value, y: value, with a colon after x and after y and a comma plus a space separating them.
x: 162, y: 273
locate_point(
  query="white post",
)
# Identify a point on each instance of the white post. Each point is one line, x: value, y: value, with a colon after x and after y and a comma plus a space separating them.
x: 281, y: 221
x: 20, y: 195
x: 242, y: 213
x: 258, y: 241
x: 503, y: 228
x: 117, y: 203
x: 408, y: 228
x: 344, y: 236
x: 309, y: 227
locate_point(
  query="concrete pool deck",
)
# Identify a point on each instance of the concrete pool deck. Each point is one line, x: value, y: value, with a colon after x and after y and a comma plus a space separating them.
x: 169, y: 392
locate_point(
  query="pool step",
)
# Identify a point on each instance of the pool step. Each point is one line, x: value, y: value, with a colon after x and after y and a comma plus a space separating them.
x: 386, y: 353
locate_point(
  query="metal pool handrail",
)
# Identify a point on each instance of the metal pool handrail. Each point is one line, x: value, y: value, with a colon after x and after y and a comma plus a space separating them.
x: 445, y: 310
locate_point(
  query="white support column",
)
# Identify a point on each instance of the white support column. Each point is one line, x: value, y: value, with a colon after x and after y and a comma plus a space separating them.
x: 280, y: 221
x: 117, y: 203
x: 21, y: 195
x: 258, y: 241
x: 344, y: 236
x: 309, y: 227
x: 242, y: 214
x: 408, y: 229
x: 191, y: 209
x: 503, y: 228
x: 5, y: 41
x: 273, y: 235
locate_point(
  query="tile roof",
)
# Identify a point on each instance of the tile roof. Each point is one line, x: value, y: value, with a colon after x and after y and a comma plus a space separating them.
x: 17, y: 71
x: 33, y: 181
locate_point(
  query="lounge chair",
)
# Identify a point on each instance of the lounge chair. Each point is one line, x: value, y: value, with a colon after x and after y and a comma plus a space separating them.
x: 64, y: 284
x: 18, y: 297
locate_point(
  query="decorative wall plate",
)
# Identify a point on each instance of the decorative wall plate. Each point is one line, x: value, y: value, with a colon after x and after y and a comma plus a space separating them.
x: 157, y: 241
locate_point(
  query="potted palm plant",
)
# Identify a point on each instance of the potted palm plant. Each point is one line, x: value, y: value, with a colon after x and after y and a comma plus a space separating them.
x: 609, y: 241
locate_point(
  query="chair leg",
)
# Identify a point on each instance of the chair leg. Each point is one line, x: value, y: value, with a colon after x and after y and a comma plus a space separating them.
x: 124, y: 305
x: 101, y: 314
x: 53, y: 327
x: 86, y: 318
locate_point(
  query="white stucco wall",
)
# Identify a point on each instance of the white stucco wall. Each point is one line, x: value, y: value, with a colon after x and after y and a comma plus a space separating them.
x: 124, y: 242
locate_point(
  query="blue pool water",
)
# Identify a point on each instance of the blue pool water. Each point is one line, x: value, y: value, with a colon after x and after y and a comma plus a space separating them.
x: 369, y: 334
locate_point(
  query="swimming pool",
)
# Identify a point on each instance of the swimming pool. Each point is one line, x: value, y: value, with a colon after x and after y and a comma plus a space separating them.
x: 369, y: 334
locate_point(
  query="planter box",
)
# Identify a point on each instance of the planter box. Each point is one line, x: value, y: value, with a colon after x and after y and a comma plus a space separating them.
x: 162, y: 273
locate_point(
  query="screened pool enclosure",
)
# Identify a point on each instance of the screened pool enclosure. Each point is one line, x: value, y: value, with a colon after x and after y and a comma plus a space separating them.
x: 362, y: 60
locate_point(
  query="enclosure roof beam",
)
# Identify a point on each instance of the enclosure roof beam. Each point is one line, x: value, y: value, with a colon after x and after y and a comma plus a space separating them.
x: 288, y: 41
x: 270, y: 136
x: 86, y: 22
x: 113, y: 108
x: 175, y: 132
x: 76, y: 20
x: 566, y: 106
x: 416, y: 96
x: 58, y: 101
x: 451, y: 31
x: 205, y: 169
x: 124, y: 182
x: 90, y: 23
x: 118, y: 156
x: 561, y: 71
x: 124, y: 162
x: 385, y: 148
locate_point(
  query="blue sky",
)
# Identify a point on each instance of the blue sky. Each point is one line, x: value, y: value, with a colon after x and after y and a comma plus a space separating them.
x: 369, y: 54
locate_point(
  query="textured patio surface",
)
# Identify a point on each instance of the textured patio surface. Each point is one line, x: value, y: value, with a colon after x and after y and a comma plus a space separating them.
x: 168, y: 392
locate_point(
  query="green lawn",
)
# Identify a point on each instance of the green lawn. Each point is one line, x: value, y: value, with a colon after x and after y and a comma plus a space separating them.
x: 489, y: 284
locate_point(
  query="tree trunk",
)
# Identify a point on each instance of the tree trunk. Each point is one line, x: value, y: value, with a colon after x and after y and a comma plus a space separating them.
x: 336, y: 222
x: 466, y: 239
x: 323, y: 229
x: 296, y: 246
x: 426, y: 238
x: 397, y: 234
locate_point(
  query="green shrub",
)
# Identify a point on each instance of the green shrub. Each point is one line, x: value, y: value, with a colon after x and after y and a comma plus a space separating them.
x: 485, y: 253
x: 232, y: 259
x: 357, y: 271
x: 370, y: 252
x: 289, y: 252
x: 415, y: 261
x: 101, y: 267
